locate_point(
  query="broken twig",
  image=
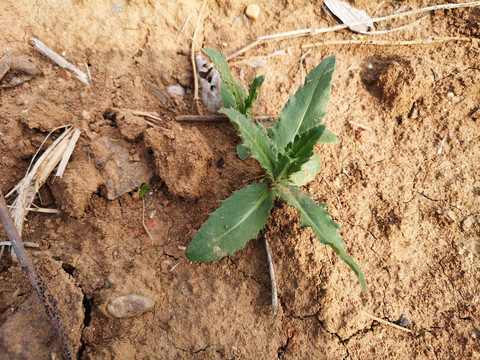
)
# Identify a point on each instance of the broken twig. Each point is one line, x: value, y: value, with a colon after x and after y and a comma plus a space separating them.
x: 38, y: 284
x: 25, y: 243
x: 143, y: 220
x: 313, y: 32
x: 183, y: 28
x: 145, y: 114
x: 60, y: 61
x: 39, y: 209
x: 431, y: 40
x: 216, y: 117
x: 272, y: 276
x: 441, y: 146
x: 335, y: 191
x: 386, y: 322
x: 192, y: 54
x: 68, y: 152
x: 360, y: 126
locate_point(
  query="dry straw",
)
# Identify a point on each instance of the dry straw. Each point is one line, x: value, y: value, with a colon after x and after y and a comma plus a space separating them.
x: 25, y: 191
x: 313, y: 31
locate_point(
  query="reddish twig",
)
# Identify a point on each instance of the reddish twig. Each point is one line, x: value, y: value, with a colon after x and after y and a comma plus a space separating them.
x: 47, y: 299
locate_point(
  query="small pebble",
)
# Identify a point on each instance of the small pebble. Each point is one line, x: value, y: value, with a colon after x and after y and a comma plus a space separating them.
x: 362, y: 136
x: 65, y: 74
x: 451, y: 215
x: 404, y: 321
x: 467, y: 223
x: 129, y: 306
x: 176, y: 90
x: 116, y: 8
x: 252, y: 11
x: 86, y: 115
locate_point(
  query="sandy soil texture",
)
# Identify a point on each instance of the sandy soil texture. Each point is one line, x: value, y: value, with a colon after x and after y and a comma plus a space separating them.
x: 403, y: 183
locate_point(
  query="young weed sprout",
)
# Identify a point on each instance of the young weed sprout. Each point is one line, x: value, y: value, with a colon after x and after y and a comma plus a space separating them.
x: 286, y: 152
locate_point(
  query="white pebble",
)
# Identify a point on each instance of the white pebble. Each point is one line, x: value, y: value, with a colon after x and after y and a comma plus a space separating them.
x: 467, y: 223
x: 129, y: 305
x: 252, y: 11
x: 176, y: 90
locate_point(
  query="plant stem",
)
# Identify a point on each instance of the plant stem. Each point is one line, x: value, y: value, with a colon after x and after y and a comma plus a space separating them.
x: 38, y: 284
x: 218, y: 117
x: 272, y: 276
x: 143, y: 220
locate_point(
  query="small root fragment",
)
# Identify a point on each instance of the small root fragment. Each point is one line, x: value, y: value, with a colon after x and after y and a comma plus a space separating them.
x: 272, y: 277
x: 373, y: 317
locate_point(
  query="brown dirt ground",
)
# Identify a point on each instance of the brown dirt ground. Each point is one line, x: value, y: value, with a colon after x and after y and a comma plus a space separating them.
x: 409, y: 213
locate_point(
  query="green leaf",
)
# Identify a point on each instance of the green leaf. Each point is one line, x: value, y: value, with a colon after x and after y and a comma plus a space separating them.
x: 253, y: 94
x: 143, y: 189
x: 328, y: 137
x: 234, y: 87
x: 307, y: 107
x: 238, y: 220
x: 316, y: 216
x: 242, y: 151
x: 307, y: 173
x: 298, y: 152
x: 255, y: 138
x: 227, y: 98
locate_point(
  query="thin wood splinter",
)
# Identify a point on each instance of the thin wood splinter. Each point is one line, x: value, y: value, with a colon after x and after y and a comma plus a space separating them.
x: 217, y: 117
x: 373, y: 317
x: 314, y: 32
x: 272, y: 277
x: 38, y: 284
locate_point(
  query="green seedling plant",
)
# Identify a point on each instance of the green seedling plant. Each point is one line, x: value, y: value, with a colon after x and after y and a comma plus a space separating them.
x: 286, y: 152
x: 143, y: 190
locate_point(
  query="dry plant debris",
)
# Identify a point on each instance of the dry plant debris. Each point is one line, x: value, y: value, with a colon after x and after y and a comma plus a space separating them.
x: 47, y: 299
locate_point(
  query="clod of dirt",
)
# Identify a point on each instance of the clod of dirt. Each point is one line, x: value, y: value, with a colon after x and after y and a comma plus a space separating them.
x: 21, y: 337
x: 28, y: 334
x: 129, y: 306
x: 72, y: 191
x: 122, y: 170
x: 116, y: 165
x: 131, y: 126
x: 16, y: 71
x: 397, y: 81
x: 45, y: 115
x: 467, y: 223
x: 476, y: 114
x: 362, y: 136
x: 182, y: 157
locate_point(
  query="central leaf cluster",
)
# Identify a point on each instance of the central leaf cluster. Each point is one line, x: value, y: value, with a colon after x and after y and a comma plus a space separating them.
x: 286, y: 152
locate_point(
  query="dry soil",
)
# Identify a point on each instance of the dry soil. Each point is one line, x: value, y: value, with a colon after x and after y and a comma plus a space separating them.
x: 405, y: 186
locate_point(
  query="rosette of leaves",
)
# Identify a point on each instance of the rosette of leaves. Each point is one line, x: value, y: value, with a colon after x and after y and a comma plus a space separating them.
x: 286, y: 152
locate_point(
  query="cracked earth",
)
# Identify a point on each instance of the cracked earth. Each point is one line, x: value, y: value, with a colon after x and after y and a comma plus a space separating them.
x: 403, y: 183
